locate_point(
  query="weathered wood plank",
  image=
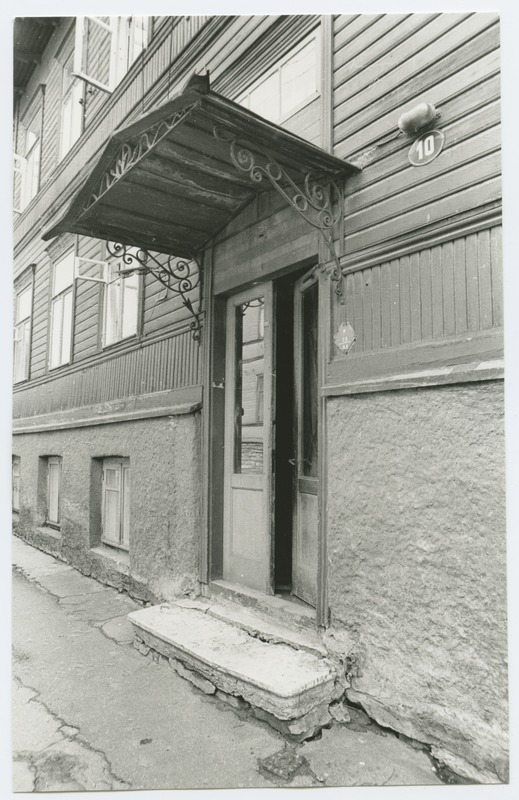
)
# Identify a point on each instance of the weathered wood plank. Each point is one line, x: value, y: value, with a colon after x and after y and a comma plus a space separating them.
x: 449, y: 325
x: 415, y: 219
x: 496, y: 269
x: 460, y: 286
x: 376, y: 306
x: 395, y: 303
x: 438, y: 82
x: 385, y: 298
x: 426, y: 293
x: 437, y: 291
x: 484, y: 280
x: 471, y: 266
x: 483, y: 346
x: 415, y: 299
x: 405, y: 300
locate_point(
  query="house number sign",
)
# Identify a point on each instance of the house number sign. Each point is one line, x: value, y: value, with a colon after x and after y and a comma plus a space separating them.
x: 426, y: 148
x: 345, y: 337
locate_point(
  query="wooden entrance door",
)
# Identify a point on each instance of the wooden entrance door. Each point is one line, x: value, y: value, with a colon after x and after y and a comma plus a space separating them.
x: 306, y: 510
x: 247, y: 552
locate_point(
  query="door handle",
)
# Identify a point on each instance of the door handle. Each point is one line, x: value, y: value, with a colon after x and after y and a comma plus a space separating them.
x: 292, y: 461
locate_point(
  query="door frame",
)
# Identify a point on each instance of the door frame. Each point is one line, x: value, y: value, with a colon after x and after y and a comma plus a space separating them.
x: 213, y: 371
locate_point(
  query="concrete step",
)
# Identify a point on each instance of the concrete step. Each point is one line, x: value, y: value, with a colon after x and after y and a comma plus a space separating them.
x: 286, y: 609
x: 226, y: 650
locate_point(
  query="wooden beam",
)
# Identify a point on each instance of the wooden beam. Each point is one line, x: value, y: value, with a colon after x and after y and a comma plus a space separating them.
x: 27, y: 56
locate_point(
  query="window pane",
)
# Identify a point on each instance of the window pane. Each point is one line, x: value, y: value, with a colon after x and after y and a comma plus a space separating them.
x: 54, y: 489
x: 138, y: 37
x: 112, y: 312
x: 112, y: 477
x: 248, y: 390
x: 129, y: 321
x: 66, y: 337
x: 298, y: 78
x: 23, y: 309
x: 55, y: 332
x: 264, y: 99
x: 21, y: 350
x: 111, y: 521
x: 97, y: 45
x: 63, y: 273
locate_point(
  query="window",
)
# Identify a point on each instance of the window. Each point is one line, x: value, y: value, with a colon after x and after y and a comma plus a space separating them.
x: 121, y: 303
x: 53, y: 515
x: 288, y: 86
x: 116, y: 502
x: 106, y: 47
x: 71, y: 107
x: 22, y: 334
x: 16, y: 483
x: 27, y: 161
x: 61, y: 311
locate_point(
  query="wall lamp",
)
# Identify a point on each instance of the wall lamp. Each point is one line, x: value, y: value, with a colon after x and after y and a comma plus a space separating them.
x: 418, y: 119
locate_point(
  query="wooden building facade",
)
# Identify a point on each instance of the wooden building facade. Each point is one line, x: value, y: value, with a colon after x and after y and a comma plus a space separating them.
x: 256, y: 346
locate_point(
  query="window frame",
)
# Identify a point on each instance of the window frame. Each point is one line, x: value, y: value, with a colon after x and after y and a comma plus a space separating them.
x: 121, y: 40
x: 122, y: 466
x: 120, y: 282
x: 68, y: 289
x: 30, y: 179
x: 277, y: 67
x: 15, y: 483
x: 26, y: 322
x: 53, y: 461
x: 73, y: 94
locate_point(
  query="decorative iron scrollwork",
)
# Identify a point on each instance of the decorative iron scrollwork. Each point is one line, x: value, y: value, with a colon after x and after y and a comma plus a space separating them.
x: 177, y: 275
x: 314, y: 202
x: 130, y: 154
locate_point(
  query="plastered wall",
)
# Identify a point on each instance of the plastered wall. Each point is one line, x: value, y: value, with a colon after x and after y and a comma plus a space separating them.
x: 164, y: 510
x: 417, y: 576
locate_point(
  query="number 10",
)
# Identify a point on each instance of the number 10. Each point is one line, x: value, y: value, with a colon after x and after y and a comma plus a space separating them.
x: 425, y: 147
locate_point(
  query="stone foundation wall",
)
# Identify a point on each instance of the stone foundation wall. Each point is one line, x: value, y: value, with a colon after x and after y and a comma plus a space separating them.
x: 164, y: 458
x: 417, y: 575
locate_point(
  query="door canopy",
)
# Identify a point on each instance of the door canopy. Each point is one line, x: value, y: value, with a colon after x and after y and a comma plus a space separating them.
x: 172, y: 180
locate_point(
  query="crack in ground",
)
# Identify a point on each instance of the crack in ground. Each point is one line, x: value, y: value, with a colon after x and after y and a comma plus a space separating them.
x: 33, y: 757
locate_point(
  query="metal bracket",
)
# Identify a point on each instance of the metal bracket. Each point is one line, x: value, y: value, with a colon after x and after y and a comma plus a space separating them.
x: 176, y: 275
x: 314, y: 202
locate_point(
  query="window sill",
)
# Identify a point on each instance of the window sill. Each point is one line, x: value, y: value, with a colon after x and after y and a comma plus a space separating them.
x: 120, y: 558
x: 54, y: 533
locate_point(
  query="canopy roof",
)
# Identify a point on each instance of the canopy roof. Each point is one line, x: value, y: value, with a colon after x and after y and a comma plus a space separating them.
x: 172, y: 180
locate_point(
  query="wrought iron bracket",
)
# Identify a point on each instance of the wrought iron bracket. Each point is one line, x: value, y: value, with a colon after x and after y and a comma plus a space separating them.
x: 314, y: 201
x: 175, y: 274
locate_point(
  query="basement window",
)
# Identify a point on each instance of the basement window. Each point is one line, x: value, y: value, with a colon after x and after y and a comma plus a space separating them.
x: 53, y: 512
x: 115, y: 513
x: 16, y: 483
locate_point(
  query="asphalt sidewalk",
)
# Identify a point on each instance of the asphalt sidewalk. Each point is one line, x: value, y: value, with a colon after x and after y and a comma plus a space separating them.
x: 91, y: 713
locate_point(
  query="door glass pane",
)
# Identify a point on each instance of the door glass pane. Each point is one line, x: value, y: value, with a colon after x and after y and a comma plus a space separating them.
x: 248, y: 395
x: 310, y: 397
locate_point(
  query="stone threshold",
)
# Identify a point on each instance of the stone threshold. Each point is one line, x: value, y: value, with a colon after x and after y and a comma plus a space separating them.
x: 282, y: 674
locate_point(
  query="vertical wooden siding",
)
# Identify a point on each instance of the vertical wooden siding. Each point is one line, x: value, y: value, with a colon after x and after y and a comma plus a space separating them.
x: 171, y: 363
x: 451, y: 288
x: 383, y: 66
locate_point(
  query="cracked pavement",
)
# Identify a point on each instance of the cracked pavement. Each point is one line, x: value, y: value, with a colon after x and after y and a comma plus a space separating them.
x: 91, y: 713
